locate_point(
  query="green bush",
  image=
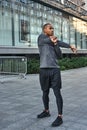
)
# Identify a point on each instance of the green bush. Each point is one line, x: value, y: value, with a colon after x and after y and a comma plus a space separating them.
x: 72, y: 63
x: 65, y: 63
x: 33, y: 66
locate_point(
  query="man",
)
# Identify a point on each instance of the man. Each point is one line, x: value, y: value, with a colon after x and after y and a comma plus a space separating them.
x: 50, y: 76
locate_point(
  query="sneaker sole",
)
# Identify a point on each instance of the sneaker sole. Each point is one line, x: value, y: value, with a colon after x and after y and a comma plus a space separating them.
x: 57, y: 125
x: 43, y: 117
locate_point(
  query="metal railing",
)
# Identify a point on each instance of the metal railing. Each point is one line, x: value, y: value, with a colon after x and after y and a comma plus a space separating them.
x: 13, y: 65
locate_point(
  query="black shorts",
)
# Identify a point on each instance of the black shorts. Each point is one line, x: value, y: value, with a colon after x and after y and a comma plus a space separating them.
x: 50, y: 78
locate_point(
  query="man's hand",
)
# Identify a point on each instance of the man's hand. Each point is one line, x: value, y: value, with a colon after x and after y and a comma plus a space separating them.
x: 54, y: 39
x: 73, y: 49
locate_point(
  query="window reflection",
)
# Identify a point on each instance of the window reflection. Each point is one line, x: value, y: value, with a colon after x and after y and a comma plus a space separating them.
x: 72, y: 32
x: 65, y: 30
x: 29, y: 18
x: 24, y: 30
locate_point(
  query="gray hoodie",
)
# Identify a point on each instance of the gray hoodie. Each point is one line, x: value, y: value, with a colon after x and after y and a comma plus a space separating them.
x: 49, y: 53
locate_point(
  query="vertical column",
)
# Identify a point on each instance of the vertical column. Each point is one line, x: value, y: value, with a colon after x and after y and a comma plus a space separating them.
x: 61, y: 28
x: 75, y: 39
x: 12, y: 12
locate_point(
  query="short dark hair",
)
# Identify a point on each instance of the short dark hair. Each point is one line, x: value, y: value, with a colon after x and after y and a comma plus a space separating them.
x: 45, y: 25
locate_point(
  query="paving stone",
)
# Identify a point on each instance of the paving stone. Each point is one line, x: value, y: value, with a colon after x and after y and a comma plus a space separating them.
x: 21, y: 101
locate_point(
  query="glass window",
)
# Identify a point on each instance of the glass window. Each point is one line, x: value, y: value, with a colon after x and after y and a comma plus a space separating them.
x: 34, y: 39
x: 5, y: 29
x: 84, y: 35
x: 78, y: 39
x: 84, y: 41
x: 17, y: 36
x: 65, y: 30
x: 78, y: 33
x: 24, y: 30
x: 57, y: 26
x: 72, y: 32
x: 24, y: 24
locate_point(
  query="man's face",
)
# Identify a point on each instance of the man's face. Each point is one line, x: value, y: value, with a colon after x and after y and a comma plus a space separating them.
x: 49, y: 30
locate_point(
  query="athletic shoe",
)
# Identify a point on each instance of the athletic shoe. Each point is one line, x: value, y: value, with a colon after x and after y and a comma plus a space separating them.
x: 57, y: 122
x: 43, y: 114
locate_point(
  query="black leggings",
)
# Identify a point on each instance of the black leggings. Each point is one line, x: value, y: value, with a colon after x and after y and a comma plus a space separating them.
x: 51, y: 78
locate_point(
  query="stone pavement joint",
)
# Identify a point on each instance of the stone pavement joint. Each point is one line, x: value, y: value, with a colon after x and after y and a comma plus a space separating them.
x: 21, y: 101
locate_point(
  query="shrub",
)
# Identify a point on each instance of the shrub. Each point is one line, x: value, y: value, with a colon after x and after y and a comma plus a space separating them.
x: 65, y: 63
x: 72, y: 63
x: 33, y: 66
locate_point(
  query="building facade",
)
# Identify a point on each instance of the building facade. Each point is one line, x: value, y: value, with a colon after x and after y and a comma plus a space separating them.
x: 21, y: 22
x: 85, y: 5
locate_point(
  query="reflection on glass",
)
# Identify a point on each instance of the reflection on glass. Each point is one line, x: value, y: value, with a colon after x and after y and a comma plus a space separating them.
x: 72, y: 32
x: 65, y: 30
x: 28, y: 21
x: 24, y: 30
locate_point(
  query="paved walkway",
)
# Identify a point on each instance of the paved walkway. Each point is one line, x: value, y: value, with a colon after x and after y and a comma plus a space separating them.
x: 20, y: 102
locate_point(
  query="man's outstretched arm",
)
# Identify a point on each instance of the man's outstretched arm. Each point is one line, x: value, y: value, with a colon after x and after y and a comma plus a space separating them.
x: 62, y: 44
x: 65, y: 45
